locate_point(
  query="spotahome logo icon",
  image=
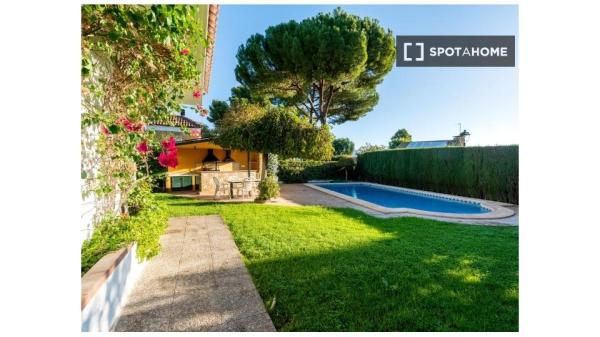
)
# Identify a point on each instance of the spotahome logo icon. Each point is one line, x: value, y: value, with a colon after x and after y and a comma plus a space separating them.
x: 455, y: 51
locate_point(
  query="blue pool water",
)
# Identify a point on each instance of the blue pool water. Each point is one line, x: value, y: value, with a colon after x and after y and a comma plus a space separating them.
x: 400, y: 199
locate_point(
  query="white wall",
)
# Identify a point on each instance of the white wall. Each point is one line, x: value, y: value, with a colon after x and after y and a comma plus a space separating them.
x: 102, y: 311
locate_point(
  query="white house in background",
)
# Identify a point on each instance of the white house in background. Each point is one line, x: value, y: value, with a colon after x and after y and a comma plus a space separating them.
x: 456, y: 141
x: 174, y: 127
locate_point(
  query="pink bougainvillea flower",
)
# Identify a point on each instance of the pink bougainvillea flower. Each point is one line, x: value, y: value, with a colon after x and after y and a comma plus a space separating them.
x: 169, y: 145
x: 134, y: 127
x: 184, y: 51
x: 104, y: 130
x: 129, y: 125
x: 142, y: 147
x: 196, y: 133
x: 201, y: 110
x: 163, y: 159
x: 168, y: 159
x: 197, y: 94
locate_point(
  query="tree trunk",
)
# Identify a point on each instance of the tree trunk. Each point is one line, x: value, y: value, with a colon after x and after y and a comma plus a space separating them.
x: 321, y: 101
x: 327, y: 103
x: 248, y: 152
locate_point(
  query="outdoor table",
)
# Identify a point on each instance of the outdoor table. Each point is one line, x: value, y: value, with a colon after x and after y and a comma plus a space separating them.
x: 231, y: 187
x: 231, y: 183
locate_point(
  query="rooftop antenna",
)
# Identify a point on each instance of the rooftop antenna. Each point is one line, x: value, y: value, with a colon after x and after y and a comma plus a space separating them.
x: 459, y: 128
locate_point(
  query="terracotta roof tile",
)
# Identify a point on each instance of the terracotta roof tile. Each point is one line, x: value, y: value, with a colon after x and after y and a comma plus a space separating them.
x: 213, y: 12
x: 179, y: 121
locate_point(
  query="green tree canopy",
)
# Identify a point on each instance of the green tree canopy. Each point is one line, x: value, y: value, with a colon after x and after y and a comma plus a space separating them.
x: 326, y: 67
x: 401, y: 136
x: 216, y: 111
x: 242, y: 93
x: 368, y: 147
x: 343, y: 146
x: 273, y: 129
x: 239, y: 94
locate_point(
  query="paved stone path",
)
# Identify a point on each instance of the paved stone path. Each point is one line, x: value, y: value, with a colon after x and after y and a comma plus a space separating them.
x: 197, y: 283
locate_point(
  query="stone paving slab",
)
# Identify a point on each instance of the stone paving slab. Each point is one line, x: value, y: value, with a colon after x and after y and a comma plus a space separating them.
x: 197, y: 283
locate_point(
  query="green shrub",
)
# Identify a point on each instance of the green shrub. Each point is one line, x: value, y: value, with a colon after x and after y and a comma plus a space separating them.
x: 346, y: 165
x: 301, y: 171
x: 268, y: 188
x: 347, y: 162
x: 140, y: 197
x: 115, y: 232
x: 272, y: 164
x: 490, y: 172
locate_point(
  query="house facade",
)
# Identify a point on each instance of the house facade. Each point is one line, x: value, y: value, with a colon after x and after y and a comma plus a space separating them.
x: 456, y: 141
x: 200, y: 160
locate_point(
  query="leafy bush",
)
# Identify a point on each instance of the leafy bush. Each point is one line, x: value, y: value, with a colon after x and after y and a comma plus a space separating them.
x: 272, y: 164
x: 301, y: 171
x: 368, y: 147
x: 345, y: 162
x: 115, y: 232
x: 140, y: 197
x: 347, y: 165
x: 342, y: 146
x: 268, y: 188
x: 273, y: 129
x: 400, y: 137
x: 490, y: 172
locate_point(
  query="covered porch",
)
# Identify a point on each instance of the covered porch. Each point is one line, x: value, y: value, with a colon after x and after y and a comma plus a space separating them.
x: 200, y: 162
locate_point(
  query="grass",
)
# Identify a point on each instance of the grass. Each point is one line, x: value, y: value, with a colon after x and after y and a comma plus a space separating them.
x: 327, y: 269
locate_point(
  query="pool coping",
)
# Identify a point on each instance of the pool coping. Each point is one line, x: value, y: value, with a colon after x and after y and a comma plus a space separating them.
x: 496, y: 210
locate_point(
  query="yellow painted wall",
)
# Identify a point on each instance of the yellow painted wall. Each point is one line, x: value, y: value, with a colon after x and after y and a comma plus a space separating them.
x: 190, y: 155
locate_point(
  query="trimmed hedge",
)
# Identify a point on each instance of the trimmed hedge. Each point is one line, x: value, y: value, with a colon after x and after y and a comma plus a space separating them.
x: 488, y: 172
x: 301, y: 171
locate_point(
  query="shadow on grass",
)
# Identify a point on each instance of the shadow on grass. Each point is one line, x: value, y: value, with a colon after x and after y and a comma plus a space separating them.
x: 360, y: 289
x: 421, y: 275
x: 418, y: 275
x: 391, y: 285
x: 202, y: 203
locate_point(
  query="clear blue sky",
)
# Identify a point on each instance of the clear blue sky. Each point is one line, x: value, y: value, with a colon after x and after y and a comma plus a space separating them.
x: 428, y: 102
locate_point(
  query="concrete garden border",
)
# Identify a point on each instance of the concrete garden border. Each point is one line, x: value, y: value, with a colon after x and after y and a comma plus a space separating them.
x: 105, y: 287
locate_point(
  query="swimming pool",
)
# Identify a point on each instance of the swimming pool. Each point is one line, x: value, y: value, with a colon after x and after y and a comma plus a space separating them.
x: 391, y: 199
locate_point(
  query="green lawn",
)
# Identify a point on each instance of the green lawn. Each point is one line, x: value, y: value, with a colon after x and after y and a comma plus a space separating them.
x: 327, y: 269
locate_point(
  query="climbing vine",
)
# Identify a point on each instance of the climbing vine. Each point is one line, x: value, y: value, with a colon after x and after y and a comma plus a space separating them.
x: 137, y: 62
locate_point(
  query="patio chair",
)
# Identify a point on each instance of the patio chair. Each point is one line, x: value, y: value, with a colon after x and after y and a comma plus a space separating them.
x: 249, y: 187
x: 220, y: 187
